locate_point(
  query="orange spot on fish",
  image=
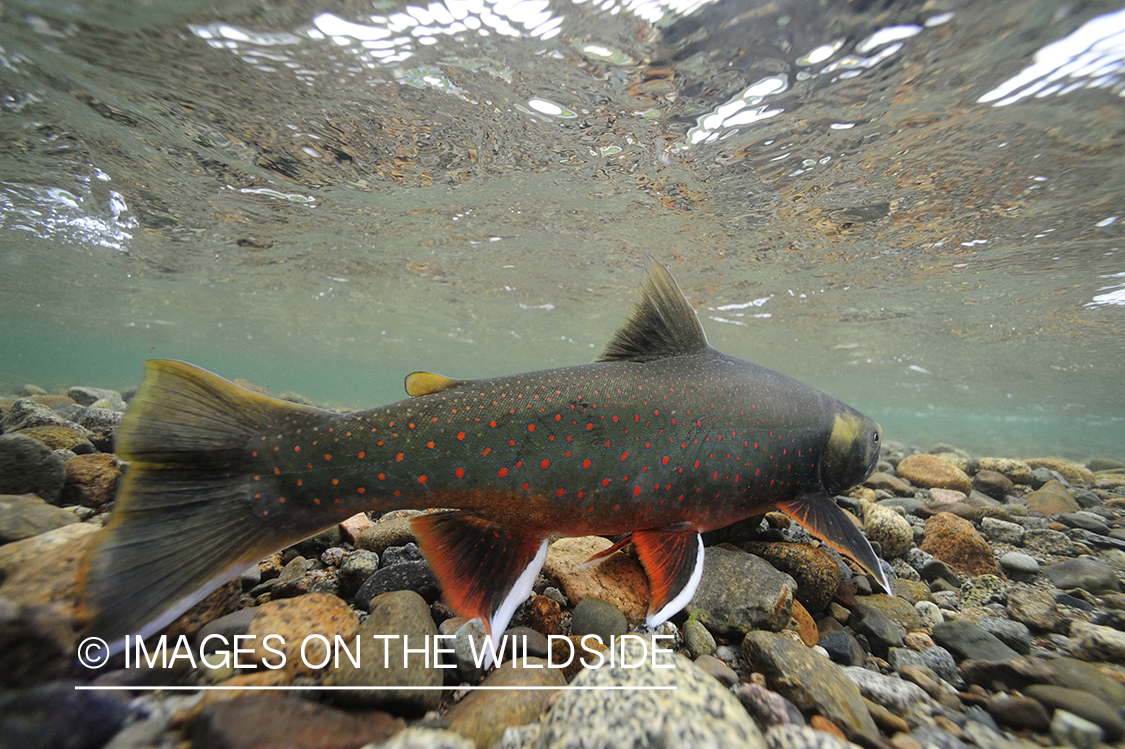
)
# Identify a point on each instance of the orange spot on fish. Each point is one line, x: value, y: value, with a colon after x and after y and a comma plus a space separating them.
x: 531, y: 427
x: 399, y: 457
x: 460, y: 435
x: 430, y: 444
x: 382, y: 476
x: 605, y: 482
x: 502, y: 472
x: 335, y: 482
x: 316, y: 501
x: 361, y: 455
x: 297, y: 448
x: 361, y: 490
x: 586, y: 463
x: 459, y: 473
x: 487, y: 450
x: 276, y: 471
x: 299, y: 481
x: 546, y: 463
x: 281, y: 500
x: 423, y: 479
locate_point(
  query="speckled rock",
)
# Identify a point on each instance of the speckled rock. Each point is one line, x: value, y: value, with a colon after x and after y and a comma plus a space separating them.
x: 897, y: 609
x: 417, y: 737
x: 354, y: 571
x: 618, y: 579
x: 929, y: 471
x: 1016, y: 470
x: 389, y: 530
x: 886, y: 526
x: 294, y: 619
x: 699, y: 713
x: 1003, y: 531
x: 1013, y: 634
x: 416, y: 576
x: 1044, y: 541
x: 1034, y: 607
x: 26, y: 515
x: 810, y: 681
x: 956, y: 542
x: 697, y: 639
x: 1073, y: 731
x: 87, y: 396
x: 1087, y: 573
x: 27, y: 413
x: 1092, y: 642
x: 27, y: 466
x: 91, y: 480
x: 1051, y: 499
x: 890, y: 692
x: 817, y: 575
x: 401, y: 615
x: 483, y: 715
x: 983, y: 590
x: 58, y: 437
x: 740, y: 592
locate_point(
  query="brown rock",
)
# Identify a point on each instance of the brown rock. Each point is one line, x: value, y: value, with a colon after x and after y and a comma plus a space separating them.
x: 816, y: 574
x: 1016, y: 470
x: 546, y: 616
x: 805, y: 626
x: 896, y: 609
x: 1072, y: 472
x: 43, y: 569
x: 889, y: 483
x: 58, y: 437
x: 993, y: 483
x: 820, y: 723
x: 570, y: 656
x: 295, y: 619
x: 270, y: 721
x: 219, y: 602
x: 1052, y: 499
x: 91, y: 480
x: 355, y: 525
x: 36, y: 644
x: 483, y: 715
x: 618, y: 579
x: 26, y: 515
x: 930, y: 471
x: 956, y: 542
x: 389, y: 530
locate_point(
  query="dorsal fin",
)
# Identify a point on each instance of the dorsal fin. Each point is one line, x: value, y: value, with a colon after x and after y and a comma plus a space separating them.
x: 428, y: 383
x: 661, y: 324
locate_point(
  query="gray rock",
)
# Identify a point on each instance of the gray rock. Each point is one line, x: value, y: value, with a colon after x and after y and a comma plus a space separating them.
x: 842, y: 648
x: 87, y: 396
x: 1034, y: 607
x: 917, y: 558
x: 404, y: 616
x: 393, y: 555
x: 1019, y: 567
x: 941, y: 662
x: 26, y: 413
x: 417, y: 737
x: 740, y: 592
x: 895, y: 694
x: 354, y: 571
x: 881, y: 633
x: 413, y: 576
x: 993, y: 484
x: 788, y: 736
x: 101, y: 421
x: 1086, y: 499
x: 1003, y: 531
x: 932, y: 737
x: 593, y: 616
x: 28, y: 466
x: 1082, y: 704
x: 1087, y: 573
x: 766, y: 707
x: 1084, y: 520
x: 1092, y: 642
x: 983, y: 590
x: 1045, y: 541
x: 57, y: 715
x: 939, y: 570
x: 722, y: 672
x: 968, y: 640
x: 469, y: 647
x: 26, y: 515
x: 226, y: 627
x: 1069, y: 730
x: 699, y: 713
x: 812, y: 682
x: 1013, y: 634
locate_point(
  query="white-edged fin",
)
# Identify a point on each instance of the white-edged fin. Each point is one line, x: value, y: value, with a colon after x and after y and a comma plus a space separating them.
x: 683, y: 598
x: 519, y: 593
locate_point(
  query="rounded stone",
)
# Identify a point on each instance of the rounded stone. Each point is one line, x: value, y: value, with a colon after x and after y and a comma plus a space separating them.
x: 930, y: 471
x: 697, y: 639
x: 1019, y: 566
x: 817, y: 575
x: 887, y: 527
x: 27, y: 466
x: 956, y: 542
x: 1086, y: 573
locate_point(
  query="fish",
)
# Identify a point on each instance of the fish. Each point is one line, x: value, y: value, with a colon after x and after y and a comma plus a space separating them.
x: 662, y: 438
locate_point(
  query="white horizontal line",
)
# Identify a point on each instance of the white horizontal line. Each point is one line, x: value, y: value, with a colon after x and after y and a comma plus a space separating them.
x: 369, y: 689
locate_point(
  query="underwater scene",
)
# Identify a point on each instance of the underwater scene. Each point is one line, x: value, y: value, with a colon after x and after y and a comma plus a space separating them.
x: 899, y: 221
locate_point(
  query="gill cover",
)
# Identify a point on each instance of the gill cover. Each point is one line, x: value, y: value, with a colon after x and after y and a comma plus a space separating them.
x: 852, y: 450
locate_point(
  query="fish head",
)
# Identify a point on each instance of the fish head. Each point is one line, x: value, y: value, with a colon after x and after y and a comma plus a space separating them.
x: 852, y: 450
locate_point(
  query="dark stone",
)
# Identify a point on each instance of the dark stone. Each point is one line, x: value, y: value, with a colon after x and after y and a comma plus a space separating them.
x: 267, y: 720
x: 316, y: 545
x: 519, y: 636
x: 58, y: 716
x: 398, y: 554
x: 1018, y: 712
x: 992, y: 483
x: 36, y: 644
x: 1086, y: 573
x: 28, y: 466
x: 939, y: 570
x: 1065, y: 599
x: 26, y: 515
x: 842, y: 648
x: 415, y: 576
x: 354, y: 570
x: 1081, y: 703
x: 1013, y: 634
x: 593, y: 616
x: 932, y: 737
x: 1115, y: 619
x: 1085, y: 521
x: 968, y: 640
x: 882, y: 634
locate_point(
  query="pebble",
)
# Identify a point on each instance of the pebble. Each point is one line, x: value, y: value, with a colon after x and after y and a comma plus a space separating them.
x: 1034, y: 607
x: 697, y: 639
x: 618, y: 579
x: 700, y: 712
x: 968, y: 640
x: 1003, y: 531
x: 1051, y: 499
x: 890, y: 692
x: 36, y: 644
x: 1082, y: 704
x: 1018, y: 712
x: 887, y: 527
x: 882, y: 634
x: 1073, y: 472
x: 1016, y: 470
x: 929, y: 471
x: 956, y: 542
x: 1085, y: 520
x: 546, y: 615
x: 355, y: 525
x: 766, y: 707
x: 468, y: 645
x: 716, y: 668
x: 889, y: 483
x: 405, y: 616
x: 356, y: 568
x: 1046, y: 542
x: 26, y: 515
x: 482, y: 716
x: 30, y: 467
x: 740, y: 592
x: 87, y: 396
x: 393, y: 555
x: 1013, y: 634
x: 810, y: 681
x: 389, y: 530
x: 593, y: 616
x: 1068, y: 729
x: 983, y: 590
x: 1019, y: 567
x: 294, y: 619
x: 58, y: 437
x: 91, y: 480
x: 43, y: 569
x: 1087, y: 573
x: 414, y: 576
x: 816, y: 573
x: 993, y: 483
x: 1092, y: 642
x: 261, y: 720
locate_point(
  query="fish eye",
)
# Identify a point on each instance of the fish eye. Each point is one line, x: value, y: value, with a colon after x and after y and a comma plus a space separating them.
x: 874, y: 438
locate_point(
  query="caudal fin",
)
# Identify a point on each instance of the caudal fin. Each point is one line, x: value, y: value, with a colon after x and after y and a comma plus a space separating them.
x: 189, y: 514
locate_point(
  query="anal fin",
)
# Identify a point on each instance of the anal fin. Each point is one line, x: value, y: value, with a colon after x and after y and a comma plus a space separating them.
x: 486, y: 571
x: 818, y: 513
x: 673, y: 561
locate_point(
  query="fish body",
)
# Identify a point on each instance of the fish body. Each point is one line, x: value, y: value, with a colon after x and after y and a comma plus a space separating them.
x: 661, y: 439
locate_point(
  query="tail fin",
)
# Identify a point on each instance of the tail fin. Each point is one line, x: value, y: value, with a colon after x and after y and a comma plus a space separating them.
x: 189, y: 515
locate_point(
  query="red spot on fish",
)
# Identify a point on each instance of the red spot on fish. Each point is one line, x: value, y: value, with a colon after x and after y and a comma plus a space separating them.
x: 586, y: 463
x: 296, y: 448
x: 525, y: 486
x: 636, y: 491
x: 502, y: 472
x: 492, y: 423
x: 487, y: 450
x: 531, y: 427
x: 560, y: 492
x: 335, y: 482
x: 581, y: 494
x: 460, y: 435
x: 361, y: 455
x: 615, y: 418
x: 382, y: 477
x: 299, y: 482
x: 254, y: 453
x: 430, y: 444
x: 276, y: 471
x: 459, y: 473
x: 281, y: 500
x: 624, y: 455
x: 360, y: 490
x: 423, y: 479
x: 399, y: 457
x: 636, y: 417
x: 545, y: 464
x: 605, y: 482
x: 696, y: 464
x: 328, y: 457
x: 664, y: 461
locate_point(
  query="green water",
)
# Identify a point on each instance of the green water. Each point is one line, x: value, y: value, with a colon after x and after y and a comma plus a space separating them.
x: 844, y: 194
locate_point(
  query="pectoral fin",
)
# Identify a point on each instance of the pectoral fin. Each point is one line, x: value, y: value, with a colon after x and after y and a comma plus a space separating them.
x: 820, y: 515
x: 428, y: 383
x: 673, y: 561
x: 486, y: 571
